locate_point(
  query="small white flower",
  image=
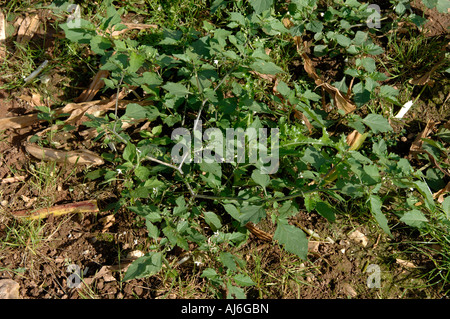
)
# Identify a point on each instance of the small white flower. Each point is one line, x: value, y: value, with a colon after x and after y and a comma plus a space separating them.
x: 119, y: 171
x: 216, y: 62
x: 198, y: 263
x: 159, y: 8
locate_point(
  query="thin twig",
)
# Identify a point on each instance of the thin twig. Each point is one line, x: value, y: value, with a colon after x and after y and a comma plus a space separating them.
x: 163, y: 163
x: 117, y: 102
x: 36, y: 72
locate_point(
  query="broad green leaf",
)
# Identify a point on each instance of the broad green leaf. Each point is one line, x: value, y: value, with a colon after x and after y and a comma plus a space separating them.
x: 423, y: 188
x: 442, y: 6
x: 260, y: 179
x: 414, y: 218
x: 176, y: 89
x: 135, y: 111
x: 360, y: 38
x: 314, y: 26
x: 388, y: 91
x: 100, y: 44
x: 375, y: 207
x: 325, y: 210
x: 243, y: 280
x: 213, y: 220
x: 446, y: 207
x: 232, y: 210
x: 129, y: 153
x: 373, y: 49
x: 139, y: 192
x: 142, y: 173
x: 377, y: 123
x: 149, y: 212
x: 81, y: 31
x: 145, y: 266
x: 430, y: 3
x: 292, y: 238
x: 369, y: 64
x: 266, y: 67
x: 235, y: 292
x: 261, y: 5
x: 283, y: 88
x: 213, y: 174
x: 252, y: 213
x: 136, y: 61
x: 153, y: 231
x: 237, y: 17
x: 227, y: 260
x: 343, y: 40
x: 212, y: 275
x: 217, y: 4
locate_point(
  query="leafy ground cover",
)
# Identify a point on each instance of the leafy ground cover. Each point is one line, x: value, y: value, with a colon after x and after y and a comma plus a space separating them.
x: 352, y: 204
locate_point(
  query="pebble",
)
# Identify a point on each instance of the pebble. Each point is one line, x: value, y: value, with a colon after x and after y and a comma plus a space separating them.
x: 9, y: 289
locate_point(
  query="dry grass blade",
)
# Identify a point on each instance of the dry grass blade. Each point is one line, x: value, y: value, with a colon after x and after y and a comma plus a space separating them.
x: 424, y: 79
x: 79, y: 157
x: 89, y: 206
x: 96, y: 85
x: 258, y: 232
x: 134, y: 26
x: 416, y: 146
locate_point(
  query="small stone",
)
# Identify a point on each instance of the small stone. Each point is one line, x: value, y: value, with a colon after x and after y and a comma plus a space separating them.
x: 358, y: 237
x: 348, y: 290
x: 9, y: 289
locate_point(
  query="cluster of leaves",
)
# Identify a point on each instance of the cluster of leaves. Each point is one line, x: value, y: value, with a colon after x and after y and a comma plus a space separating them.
x: 188, y: 74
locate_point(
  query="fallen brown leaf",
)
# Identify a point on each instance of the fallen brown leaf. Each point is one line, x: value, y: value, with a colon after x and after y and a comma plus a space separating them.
x: 2, y: 35
x: 440, y: 194
x: 341, y: 101
x: 405, y: 263
x: 313, y: 246
x: 28, y: 28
